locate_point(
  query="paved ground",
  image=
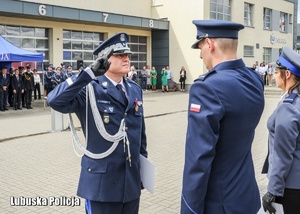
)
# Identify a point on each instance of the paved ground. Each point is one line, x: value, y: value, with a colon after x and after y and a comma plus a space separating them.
x: 38, y: 163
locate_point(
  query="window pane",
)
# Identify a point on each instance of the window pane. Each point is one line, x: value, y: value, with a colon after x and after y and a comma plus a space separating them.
x: 2, y: 29
x: 142, y: 48
x: 41, y: 43
x: 28, y: 43
x: 77, y: 45
x: 87, y: 56
x: 15, y: 41
x: 134, y: 48
x: 67, y: 55
x: 96, y: 44
x: 67, y: 34
x: 87, y: 36
x: 142, y: 39
x: 41, y: 32
x: 26, y: 31
x: 13, y: 31
x: 76, y: 35
x: 142, y: 57
x: 87, y: 46
x: 134, y: 57
x: 76, y: 55
x: 66, y: 44
x: 133, y: 39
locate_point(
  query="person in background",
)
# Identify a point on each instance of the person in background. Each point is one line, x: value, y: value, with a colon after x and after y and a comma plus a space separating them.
x: 153, y: 74
x: 148, y: 69
x: 132, y: 74
x: 225, y: 106
x: 144, y: 78
x: 28, y: 81
x: 110, y: 181
x: 10, y: 98
x: 63, y: 69
x: 37, y: 84
x: 47, y: 80
x: 18, y: 89
x: 4, y: 85
x: 164, y: 80
x: 69, y: 72
x: 262, y: 70
x: 57, y: 78
x: 270, y: 72
x: 283, y: 161
x: 182, y: 78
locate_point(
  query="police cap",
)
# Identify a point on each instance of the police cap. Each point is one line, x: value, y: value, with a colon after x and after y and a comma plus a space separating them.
x: 290, y: 60
x: 216, y: 29
x: 69, y: 67
x: 118, y: 43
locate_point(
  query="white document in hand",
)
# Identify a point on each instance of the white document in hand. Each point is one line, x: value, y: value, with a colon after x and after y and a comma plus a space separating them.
x: 278, y: 208
x: 147, y: 173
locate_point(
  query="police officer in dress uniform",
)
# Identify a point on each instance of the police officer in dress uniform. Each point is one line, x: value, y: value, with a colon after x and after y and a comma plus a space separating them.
x: 284, y: 138
x: 57, y: 77
x: 225, y: 106
x: 69, y: 72
x: 47, y: 80
x: 114, y: 127
x: 28, y: 86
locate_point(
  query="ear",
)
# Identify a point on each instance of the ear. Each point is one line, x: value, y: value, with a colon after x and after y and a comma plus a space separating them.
x: 287, y: 74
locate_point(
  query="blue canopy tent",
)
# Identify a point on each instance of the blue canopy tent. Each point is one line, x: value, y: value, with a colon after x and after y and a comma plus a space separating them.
x: 10, y: 53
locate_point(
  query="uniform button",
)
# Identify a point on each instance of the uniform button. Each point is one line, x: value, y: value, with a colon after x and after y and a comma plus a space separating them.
x: 127, y: 158
x: 126, y: 129
x: 125, y: 114
x: 89, y: 169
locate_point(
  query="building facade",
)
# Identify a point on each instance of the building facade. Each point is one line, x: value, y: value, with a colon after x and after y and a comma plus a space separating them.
x: 161, y: 31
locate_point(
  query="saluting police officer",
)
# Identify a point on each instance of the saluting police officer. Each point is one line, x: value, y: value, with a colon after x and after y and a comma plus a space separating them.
x: 225, y: 106
x: 114, y: 128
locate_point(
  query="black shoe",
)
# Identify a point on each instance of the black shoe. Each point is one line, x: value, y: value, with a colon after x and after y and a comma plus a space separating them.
x: 2, y: 110
x: 29, y: 107
x: 15, y: 109
x: 19, y: 108
x: 5, y: 109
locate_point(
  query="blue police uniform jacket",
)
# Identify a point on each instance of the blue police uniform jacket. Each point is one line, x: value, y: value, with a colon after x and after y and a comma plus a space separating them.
x: 47, y: 78
x: 284, y: 145
x: 110, y: 179
x: 225, y: 106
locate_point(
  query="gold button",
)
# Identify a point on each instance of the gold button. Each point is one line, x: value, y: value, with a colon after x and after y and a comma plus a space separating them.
x: 89, y: 169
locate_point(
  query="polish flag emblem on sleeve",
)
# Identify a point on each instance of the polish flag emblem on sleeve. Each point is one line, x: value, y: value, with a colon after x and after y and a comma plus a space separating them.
x: 195, y: 107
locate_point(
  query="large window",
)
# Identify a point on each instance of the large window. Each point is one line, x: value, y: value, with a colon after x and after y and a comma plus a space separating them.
x: 248, y: 14
x: 78, y: 45
x: 138, y: 45
x: 267, y: 55
x: 267, y: 19
x: 283, y: 22
x: 248, y: 51
x: 29, y: 38
x: 220, y: 9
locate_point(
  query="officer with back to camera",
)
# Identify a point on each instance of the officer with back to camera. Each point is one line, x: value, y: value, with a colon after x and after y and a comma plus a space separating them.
x: 114, y: 128
x: 225, y: 106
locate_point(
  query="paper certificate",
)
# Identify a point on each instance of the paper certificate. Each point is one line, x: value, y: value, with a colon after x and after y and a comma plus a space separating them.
x: 147, y: 173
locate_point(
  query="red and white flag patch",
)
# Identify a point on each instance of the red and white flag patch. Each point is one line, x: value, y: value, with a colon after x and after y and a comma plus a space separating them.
x: 195, y: 107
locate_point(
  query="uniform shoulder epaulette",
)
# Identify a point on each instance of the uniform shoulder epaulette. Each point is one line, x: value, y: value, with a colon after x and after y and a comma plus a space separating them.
x: 290, y: 98
x: 204, y: 76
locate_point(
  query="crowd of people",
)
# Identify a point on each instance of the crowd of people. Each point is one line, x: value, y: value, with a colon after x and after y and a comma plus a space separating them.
x: 19, y: 86
x: 266, y: 71
x: 150, y: 77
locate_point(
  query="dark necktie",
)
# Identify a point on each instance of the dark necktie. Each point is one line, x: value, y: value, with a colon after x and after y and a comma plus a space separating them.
x: 119, y: 87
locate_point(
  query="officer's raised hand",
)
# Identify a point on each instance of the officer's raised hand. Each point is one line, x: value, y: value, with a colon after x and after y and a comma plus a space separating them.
x: 267, y: 200
x: 101, y: 64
